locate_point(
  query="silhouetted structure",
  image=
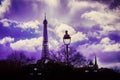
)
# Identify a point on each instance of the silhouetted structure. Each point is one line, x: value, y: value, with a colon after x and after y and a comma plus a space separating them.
x: 96, y: 64
x: 67, y: 40
x: 92, y: 67
x: 45, y: 50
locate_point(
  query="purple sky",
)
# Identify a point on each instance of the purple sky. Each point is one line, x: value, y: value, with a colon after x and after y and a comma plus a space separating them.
x: 93, y: 25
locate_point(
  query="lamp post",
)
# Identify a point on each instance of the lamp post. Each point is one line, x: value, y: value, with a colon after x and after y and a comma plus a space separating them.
x: 67, y: 40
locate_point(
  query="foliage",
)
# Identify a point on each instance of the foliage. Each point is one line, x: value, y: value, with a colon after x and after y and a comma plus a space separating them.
x: 116, y: 69
x: 20, y: 57
x: 75, y: 58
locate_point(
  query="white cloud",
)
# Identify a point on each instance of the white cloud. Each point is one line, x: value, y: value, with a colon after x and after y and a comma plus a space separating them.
x: 79, y: 36
x: 33, y: 45
x: 5, y: 22
x: 4, y: 7
x: 53, y: 43
x: 90, y: 49
x: 51, y: 3
x: 117, y: 26
x: 107, y: 29
x: 6, y: 40
x: 75, y: 6
x: 75, y: 36
x: 107, y: 20
x: 56, y: 22
x: 34, y: 25
x: 105, y: 45
x: 105, y: 40
x: 101, y: 18
x: 60, y: 30
x: 49, y: 7
x: 30, y: 45
x: 31, y: 24
x: 109, y: 45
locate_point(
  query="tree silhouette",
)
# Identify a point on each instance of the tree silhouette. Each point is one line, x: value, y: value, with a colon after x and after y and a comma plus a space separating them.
x: 75, y: 58
x: 20, y: 57
x: 116, y: 69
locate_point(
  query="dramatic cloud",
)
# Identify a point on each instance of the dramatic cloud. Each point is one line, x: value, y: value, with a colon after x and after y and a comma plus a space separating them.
x: 115, y: 4
x: 105, y: 40
x: 30, y: 45
x: 92, y: 24
x: 79, y: 36
x: 109, y: 45
x: 76, y: 5
x: 5, y: 22
x: 6, y: 40
x: 60, y: 30
x: 30, y: 24
x: 105, y: 45
x: 5, y: 48
x: 4, y: 7
x: 33, y: 24
x: 52, y: 3
x: 106, y: 50
x: 101, y: 18
x: 106, y: 20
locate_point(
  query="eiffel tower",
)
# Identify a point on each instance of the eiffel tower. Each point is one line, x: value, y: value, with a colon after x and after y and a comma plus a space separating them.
x: 45, y: 50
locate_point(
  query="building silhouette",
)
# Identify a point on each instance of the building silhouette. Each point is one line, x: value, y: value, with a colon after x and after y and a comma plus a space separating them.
x: 96, y: 64
x: 92, y: 67
x: 45, y: 50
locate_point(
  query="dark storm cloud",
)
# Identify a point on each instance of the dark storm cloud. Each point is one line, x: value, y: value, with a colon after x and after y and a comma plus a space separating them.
x: 19, y: 8
x: 102, y: 1
x: 23, y: 10
x: 115, y: 36
x: 32, y: 9
x: 1, y: 1
x: 115, y: 4
x: 111, y: 3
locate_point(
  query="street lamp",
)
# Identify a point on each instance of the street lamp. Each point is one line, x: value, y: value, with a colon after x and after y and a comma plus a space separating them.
x: 67, y: 40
